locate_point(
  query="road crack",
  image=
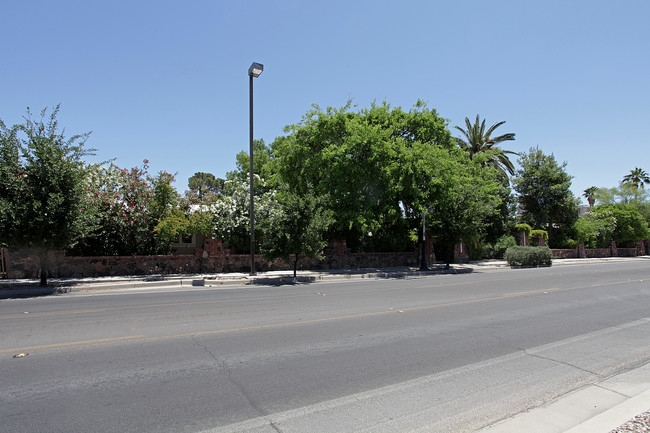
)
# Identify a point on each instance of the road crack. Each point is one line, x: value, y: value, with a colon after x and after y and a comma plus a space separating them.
x: 223, y: 365
x: 568, y: 364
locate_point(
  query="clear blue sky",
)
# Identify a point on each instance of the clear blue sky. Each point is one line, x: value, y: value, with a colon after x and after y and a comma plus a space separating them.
x: 167, y: 80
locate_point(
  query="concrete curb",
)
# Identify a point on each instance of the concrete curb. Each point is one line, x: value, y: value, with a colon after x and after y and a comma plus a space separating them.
x: 17, y: 289
x: 27, y: 289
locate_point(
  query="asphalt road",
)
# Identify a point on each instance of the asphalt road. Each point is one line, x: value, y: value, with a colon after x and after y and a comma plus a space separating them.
x: 445, y: 353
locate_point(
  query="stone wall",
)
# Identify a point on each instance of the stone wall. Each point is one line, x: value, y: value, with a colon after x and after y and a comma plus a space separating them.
x: 222, y: 261
x: 564, y: 253
x: 593, y: 253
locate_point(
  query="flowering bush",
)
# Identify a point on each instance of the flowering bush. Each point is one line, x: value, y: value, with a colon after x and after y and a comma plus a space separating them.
x: 126, y: 204
x: 220, y: 216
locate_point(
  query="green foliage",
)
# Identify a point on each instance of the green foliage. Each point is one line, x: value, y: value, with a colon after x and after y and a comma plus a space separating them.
x: 625, y: 193
x: 478, y: 140
x: 618, y: 222
x: 570, y: 244
x: 43, y: 186
x: 536, y: 234
x: 458, y: 194
x: 359, y: 160
x: 202, y: 184
x: 644, y: 209
x: 170, y: 228
x: 382, y: 168
x: 545, y: 195
x: 165, y: 197
x: 503, y: 220
x: 637, y: 178
x: 127, y: 205
x: 231, y: 213
x: 596, y: 228
x: 528, y: 256
x: 525, y: 228
x: 504, y: 242
x: 630, y: 224
x: 262, y: 156
x: 590, y: 195
x: 296, y: 228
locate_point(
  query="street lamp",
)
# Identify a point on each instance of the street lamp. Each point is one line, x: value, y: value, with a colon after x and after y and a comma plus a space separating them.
x: 253, y: 72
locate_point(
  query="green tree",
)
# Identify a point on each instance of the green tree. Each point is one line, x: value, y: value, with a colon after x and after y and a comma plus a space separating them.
x: 630, y: 224
x: 478, y: 140
x: 545, y: 195
x: 359, y: 159
x: 127, y: 204
x: 296, y: 228
x: 637, y: 177
x: 590, y: 195
x: 595, y: 228
x: 43, y: 187
x: 195, y: 222
x: 459, y: 195
x: 625, y: 193
x: 262, y: 155
x: 205, y: 183
x: 165, y: 198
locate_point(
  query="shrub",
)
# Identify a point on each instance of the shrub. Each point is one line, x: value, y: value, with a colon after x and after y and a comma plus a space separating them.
x: 503, y: 244
x: 536, y: 234
x: 570, y: 244
x: 528, y: 256
x: 523, y: 228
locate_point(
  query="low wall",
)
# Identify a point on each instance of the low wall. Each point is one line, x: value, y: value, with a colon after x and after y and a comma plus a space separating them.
x: 62, y: 266
x: 565, y: 253
x: 593, y: 253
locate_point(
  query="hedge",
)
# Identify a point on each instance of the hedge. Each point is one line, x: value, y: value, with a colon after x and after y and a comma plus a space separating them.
x: 523, y: 228
x: 528, y: 256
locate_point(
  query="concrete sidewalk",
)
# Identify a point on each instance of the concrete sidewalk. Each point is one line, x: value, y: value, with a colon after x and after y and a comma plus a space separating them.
x: 597, y: 408
x: 11, y: 288
x: 26, y: 288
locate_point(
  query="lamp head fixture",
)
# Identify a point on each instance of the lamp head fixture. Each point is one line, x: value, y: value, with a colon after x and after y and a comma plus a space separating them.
x: 255, y: 70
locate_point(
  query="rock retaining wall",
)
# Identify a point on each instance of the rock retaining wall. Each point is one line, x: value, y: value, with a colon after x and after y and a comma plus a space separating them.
x: 62, y: 266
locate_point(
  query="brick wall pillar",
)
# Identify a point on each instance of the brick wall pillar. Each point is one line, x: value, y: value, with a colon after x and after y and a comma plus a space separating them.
x: 640, y: 248
x: 523, y: 239
x: 461, y: 254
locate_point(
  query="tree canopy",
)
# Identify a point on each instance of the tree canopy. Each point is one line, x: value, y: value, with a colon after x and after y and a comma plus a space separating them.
x: 43, y: 186
x: 637, y: 177
x: 479, y: 140
x: 295, y: 228
x: 369, y: 176
x: 203, y: 183
x: 382, y: 167
x: 545, y: 195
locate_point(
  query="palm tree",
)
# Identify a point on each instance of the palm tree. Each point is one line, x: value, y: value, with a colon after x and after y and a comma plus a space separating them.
x: 637, y: 177
x: 478, y: 140
x: 590, y: 195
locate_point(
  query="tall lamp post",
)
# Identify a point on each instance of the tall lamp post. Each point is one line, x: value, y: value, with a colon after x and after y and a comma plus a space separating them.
x: 253, y: 72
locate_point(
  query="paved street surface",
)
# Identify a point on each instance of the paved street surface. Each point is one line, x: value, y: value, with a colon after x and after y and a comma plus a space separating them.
x: 440, y: 353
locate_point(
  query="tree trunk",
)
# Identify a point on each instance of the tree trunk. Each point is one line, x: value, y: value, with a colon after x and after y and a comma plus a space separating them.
x: 43, y: 259
x: 295, y: 266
